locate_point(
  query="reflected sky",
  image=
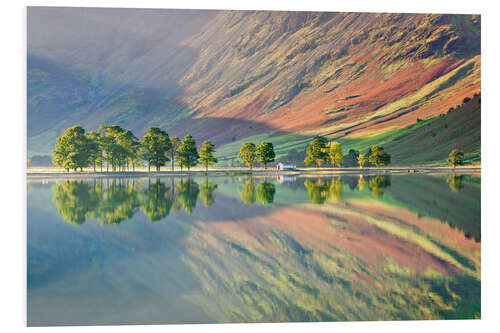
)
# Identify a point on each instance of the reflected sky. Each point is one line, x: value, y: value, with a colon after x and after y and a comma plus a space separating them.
x: 253, y: 249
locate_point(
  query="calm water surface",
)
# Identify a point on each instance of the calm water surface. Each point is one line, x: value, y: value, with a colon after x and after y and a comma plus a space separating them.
x: 241, y: 249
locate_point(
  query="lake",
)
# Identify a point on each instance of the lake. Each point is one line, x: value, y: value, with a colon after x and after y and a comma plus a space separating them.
x: 253, y: 249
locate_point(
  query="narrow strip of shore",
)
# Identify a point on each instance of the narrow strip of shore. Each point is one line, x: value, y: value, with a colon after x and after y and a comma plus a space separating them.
x: 269, y: 172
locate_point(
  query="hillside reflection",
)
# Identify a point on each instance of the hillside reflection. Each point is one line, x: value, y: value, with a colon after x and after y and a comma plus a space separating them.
x: 112, y: 201
x: 257, y: 249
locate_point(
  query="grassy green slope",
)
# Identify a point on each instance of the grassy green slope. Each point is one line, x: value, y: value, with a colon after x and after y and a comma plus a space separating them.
x: 427, y: 142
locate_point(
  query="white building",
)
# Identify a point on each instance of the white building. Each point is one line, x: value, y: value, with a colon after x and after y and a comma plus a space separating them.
x: 282, y: 166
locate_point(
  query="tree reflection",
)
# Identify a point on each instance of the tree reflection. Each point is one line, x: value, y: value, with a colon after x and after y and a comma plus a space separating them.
x: 265, y: 192
x: 112, y: 201
x: 247, y: 192
x: 118, y: 201
x: 74, y: 200
x: 207, y: 189
x: 455, y: 182
x: 186, y: 193
x: 156, y: 201
x: 317, y: 191
x: 335, y: 191
x: 378, y: 184
x: 362, y: 183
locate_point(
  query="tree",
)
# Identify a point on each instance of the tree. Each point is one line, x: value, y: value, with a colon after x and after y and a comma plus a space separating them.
x: 316, y: 152
x: 94, y: 149
x: 131, y: 144
x: 379, y: 157
x: 155, y: 144
x: 187, y: 155
x: 334, y: 152
x: 71, y: 150
x: 265, y: 153
x: 247, y: 153
x: 175, y: 141
x: 351, y: 159
x: 207, y: 151
x: 455, y: 158
x: 362, y: 160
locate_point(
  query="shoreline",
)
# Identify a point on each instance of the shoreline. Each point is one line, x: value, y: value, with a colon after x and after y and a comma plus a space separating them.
x: 270, y: 172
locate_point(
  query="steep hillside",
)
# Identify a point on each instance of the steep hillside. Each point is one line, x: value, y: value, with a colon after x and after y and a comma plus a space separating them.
x: 229, y: 76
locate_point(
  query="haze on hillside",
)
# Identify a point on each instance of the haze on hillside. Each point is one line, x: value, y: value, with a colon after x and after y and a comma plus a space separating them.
x: 236, y: 76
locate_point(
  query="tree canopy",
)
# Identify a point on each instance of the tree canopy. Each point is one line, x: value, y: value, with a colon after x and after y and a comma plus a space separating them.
x: 334, y: 152
x: 265, y: 153
x: 247, y: 153
x: 187, y: 155
x: 207, y: 157
x: 316, y: 152
x: 156, y: 144
x: 455, y: 158
x: 379, y: 157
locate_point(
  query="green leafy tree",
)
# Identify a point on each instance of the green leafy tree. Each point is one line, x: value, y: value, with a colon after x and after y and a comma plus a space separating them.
x: 131, y: 144
x: 362, y: 160
x: 455, y: 158
x: 265, y: 192
x: 265, y: 153
x: 351, y: 159
x: 207, y: 189
x: 207, y: 151
x: 247, y: 154
x: 379, y: 157
x: 315, y: 152
x: 156, y: 144
x: 247, y: 192
x: 71, y: 150
x: 175, y: 141
x: 94, y: 149
x: 334, y: 152
x: 187, y: 155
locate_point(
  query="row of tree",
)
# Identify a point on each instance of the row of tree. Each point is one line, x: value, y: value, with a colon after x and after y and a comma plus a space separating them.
x: 320, y: 152
x: 120, y: 149
x: 263, y: 153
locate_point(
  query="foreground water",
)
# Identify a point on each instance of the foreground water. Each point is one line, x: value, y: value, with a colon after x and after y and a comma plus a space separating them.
x: 240, y: 249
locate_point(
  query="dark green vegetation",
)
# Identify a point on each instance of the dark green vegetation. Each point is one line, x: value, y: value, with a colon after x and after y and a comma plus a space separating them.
x: 265, y: 153
x: 455, y: 158
x: 120, y: 149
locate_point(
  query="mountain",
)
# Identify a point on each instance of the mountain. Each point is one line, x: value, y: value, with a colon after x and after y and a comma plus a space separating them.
x: 233, y: 76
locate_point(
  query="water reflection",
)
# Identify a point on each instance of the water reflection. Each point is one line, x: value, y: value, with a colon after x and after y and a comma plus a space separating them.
x: 254, y: 250
x: 456, y: 182
x: 117, y: 200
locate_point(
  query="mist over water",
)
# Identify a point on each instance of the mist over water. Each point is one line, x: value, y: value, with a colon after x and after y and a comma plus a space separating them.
x: 253, y: 249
